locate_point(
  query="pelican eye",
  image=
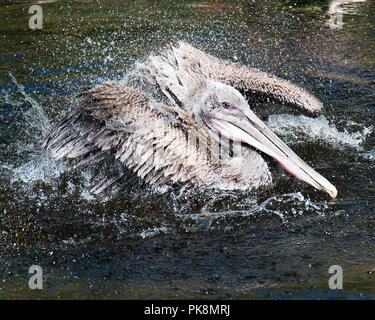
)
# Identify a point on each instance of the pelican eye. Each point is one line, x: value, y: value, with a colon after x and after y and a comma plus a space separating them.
x: 225, y: 105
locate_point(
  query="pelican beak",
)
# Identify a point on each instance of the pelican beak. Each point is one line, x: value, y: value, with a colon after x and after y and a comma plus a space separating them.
x: 251, y: 130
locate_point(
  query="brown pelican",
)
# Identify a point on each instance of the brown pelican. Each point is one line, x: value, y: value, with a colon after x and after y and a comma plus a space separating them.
x: 205, y: 137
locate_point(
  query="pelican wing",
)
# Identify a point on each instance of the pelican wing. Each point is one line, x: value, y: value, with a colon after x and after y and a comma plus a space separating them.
x: 100, y: 122
x: 99, y: 126
x: 116, y: 122
x: 251, y: 82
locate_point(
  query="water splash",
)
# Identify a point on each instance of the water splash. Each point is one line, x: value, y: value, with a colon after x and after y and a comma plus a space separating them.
x: 285, y: 206
x: 151, y: 232
x: 35, y: 116
x: 293, y: 128
x: 39, y: 168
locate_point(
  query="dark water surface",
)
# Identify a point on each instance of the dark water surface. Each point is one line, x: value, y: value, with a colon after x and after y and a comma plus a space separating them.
x: 276, y: 243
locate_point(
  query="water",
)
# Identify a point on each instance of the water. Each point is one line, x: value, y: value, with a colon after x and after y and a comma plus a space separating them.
x: 274, y: 243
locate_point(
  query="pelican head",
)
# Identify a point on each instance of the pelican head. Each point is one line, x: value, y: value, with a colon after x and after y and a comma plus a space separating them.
x: 223, y: 111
